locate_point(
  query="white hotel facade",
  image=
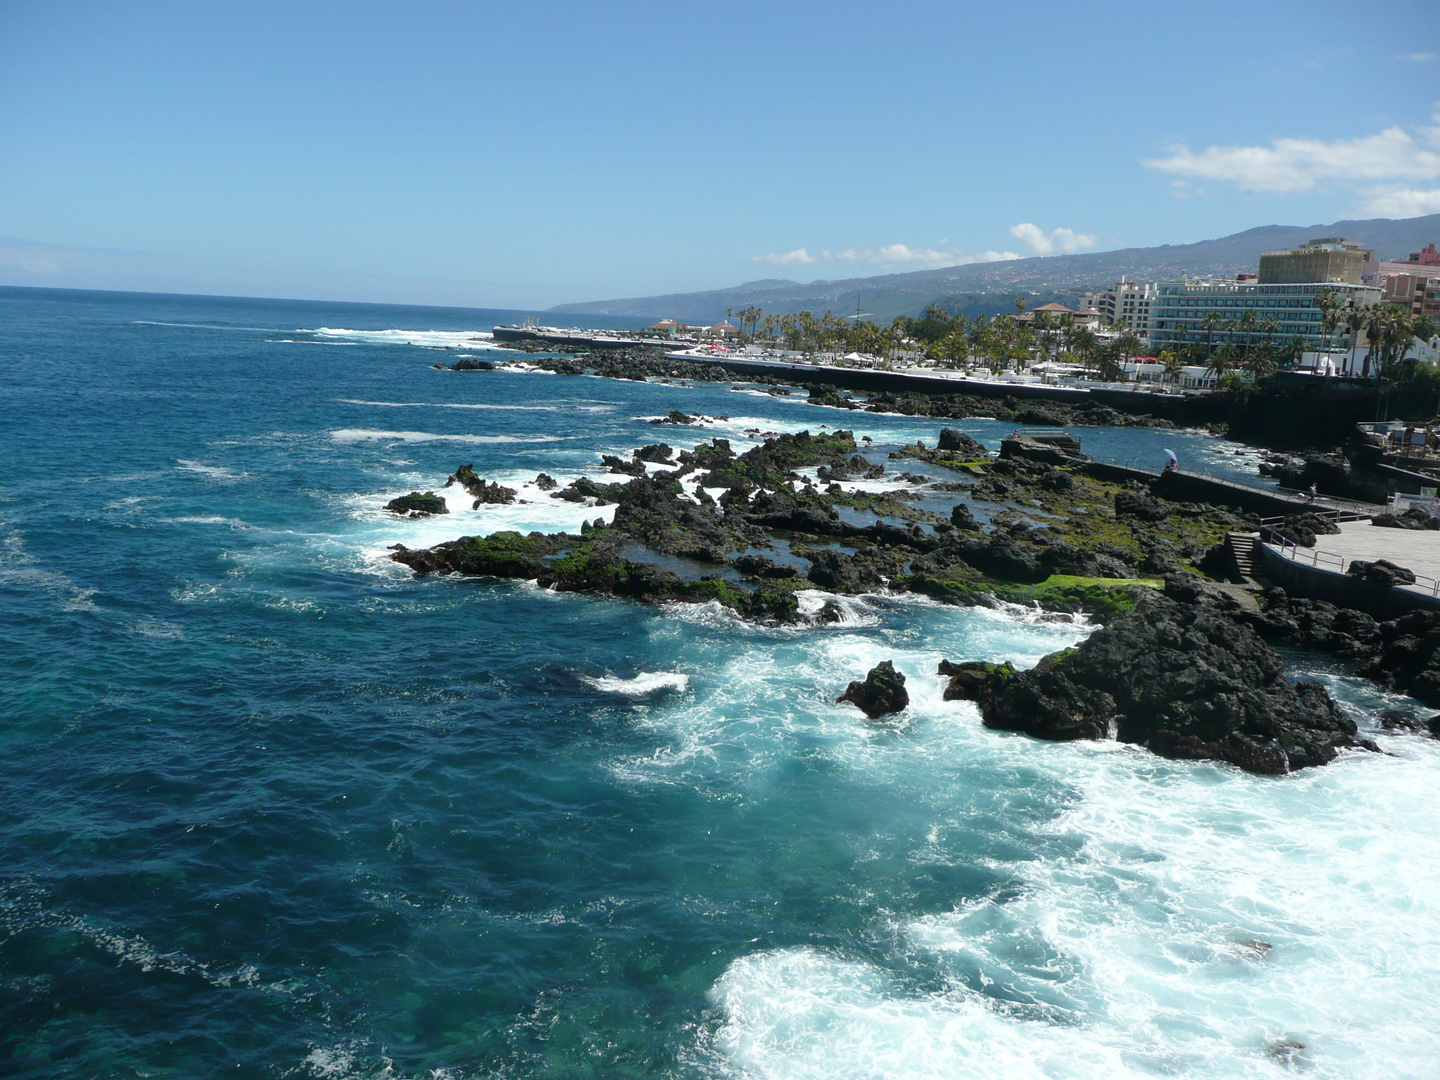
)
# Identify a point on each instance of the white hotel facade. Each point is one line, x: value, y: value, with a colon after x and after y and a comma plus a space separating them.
x: 1179, y: 309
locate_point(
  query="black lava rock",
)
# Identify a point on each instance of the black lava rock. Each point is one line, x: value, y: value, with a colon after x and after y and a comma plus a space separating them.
x: 883, y: 691
x: 418, y: 504
x: 1186, y: 680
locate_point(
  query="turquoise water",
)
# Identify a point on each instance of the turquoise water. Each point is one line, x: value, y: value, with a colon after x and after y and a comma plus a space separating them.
x: 273, y: 807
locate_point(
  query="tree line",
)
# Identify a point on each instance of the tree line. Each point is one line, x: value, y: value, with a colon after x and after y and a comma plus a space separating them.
x: 1232, y: 348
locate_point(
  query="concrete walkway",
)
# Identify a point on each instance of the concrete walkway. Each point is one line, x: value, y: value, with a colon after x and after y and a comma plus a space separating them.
x: 1415, y: 550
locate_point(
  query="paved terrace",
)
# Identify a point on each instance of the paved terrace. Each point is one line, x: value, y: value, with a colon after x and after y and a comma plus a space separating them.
x: 1418, y: 551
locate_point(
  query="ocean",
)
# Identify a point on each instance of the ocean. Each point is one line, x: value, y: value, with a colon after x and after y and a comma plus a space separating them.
x: 272, y: 807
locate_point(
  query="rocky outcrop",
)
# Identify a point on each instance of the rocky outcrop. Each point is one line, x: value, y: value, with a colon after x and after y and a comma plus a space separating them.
x: 957, y: 442
x: 962, y: 518
x: 882, y: 693
x: 418, y: 504
x: 975, y: 680
x: 1299, y: 529
x: 1330, y: 473
x: 1186, y: 681
x: 656, y: 453
x: 1140, y: 504
x: 483, y: 490
x: 857, y: 468
x: 1401, y: 654
x: 1414, y: 518
x: 1382, y: 573
x: 784, y: 511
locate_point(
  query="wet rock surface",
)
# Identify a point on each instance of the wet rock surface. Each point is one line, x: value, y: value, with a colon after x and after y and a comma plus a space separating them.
x: 483, y: 490
x: 882, y: 693
x: 1401, y: 654
x: 418, y: 504
x: 1187, y: 681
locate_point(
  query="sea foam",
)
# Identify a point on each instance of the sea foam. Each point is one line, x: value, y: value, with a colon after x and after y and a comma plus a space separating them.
x: 646, y: 683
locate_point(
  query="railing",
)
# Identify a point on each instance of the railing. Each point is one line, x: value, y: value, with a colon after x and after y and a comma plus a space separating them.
x: 1323, y: 560
x: 1334, y: 513
x: 1324, y: 505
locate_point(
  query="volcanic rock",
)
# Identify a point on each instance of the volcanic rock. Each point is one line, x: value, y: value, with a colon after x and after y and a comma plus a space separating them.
x: 1381, y: 572
x: 418, y: 504
x: 1140, y: 504
x: 1187, y: 681
x: 484, y: 491
x: 958, y: 442
x: 962, y: 518
x: 882, y: 692
x: 1414, y: 518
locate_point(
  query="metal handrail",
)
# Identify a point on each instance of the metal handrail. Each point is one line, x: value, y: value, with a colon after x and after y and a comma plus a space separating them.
x: 1292, y: 552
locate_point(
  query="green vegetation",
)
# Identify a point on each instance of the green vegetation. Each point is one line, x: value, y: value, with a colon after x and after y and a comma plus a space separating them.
x: 1063, y: 592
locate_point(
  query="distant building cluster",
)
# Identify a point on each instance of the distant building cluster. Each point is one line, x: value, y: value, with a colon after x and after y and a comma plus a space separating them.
x: 1281, y: 302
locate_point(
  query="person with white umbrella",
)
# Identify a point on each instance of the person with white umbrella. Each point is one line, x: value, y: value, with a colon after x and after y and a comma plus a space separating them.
x: 1173, y: 465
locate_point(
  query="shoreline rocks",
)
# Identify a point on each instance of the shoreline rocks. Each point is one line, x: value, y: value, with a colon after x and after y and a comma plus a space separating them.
x: 418, y: 504
x: 882, y: 693
x: 1187, y: 672
x: 1186, y: 681
x: 483, y: 490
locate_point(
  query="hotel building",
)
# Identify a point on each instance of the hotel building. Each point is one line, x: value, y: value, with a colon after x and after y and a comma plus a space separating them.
x: 1287, y: 288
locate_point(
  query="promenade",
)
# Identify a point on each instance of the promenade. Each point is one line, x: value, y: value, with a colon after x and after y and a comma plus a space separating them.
x: 1416, y: 550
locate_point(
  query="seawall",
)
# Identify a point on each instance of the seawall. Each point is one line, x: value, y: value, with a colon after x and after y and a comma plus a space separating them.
x: 1317, y: 583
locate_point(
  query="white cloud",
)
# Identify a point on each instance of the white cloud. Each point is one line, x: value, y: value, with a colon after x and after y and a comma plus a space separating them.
x: 1401, y: 202
x: 797, y: 257
x: 1299, y: 164
x: 1061, y: 240
x: 927, y: 258
x: 1417, y: 57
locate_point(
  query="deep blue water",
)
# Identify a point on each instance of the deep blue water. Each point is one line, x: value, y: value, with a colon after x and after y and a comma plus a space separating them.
x: 273, y: 807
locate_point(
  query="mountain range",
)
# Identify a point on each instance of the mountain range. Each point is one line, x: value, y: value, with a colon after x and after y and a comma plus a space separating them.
x: 988, y: 288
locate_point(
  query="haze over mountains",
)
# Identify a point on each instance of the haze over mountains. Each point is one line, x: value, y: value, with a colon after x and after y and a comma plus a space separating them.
x: 988, y: 288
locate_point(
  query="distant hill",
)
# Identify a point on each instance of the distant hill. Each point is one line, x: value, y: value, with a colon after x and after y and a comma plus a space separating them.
x: 990, y: 287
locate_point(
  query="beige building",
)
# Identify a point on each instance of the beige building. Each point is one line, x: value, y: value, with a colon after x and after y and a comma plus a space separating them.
x: 1332, y: 260
x: 1417, y: 293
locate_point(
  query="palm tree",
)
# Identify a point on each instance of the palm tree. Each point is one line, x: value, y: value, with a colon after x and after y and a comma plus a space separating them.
x: 1219, y: 362
x: 1210, y: 323
x: 1084, y: 347
x: 1355, y: 320
x: 1329, y: 305
x: 1260, y: 361
x: 1377, y: 327
x: 1249, y: 323
x: 1171, y: 365
x: 1298, y: 349
x: 1109, y: 361
x: 1043, y: 325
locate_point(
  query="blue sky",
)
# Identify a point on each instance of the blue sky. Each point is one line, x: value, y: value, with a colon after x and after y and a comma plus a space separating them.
x: 528, y: 154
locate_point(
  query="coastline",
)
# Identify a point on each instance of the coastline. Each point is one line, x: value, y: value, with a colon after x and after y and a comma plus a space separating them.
x: 694, y: 529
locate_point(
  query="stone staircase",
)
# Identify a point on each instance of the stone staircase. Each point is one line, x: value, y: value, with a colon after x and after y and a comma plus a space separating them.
x: 1243, y: 549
